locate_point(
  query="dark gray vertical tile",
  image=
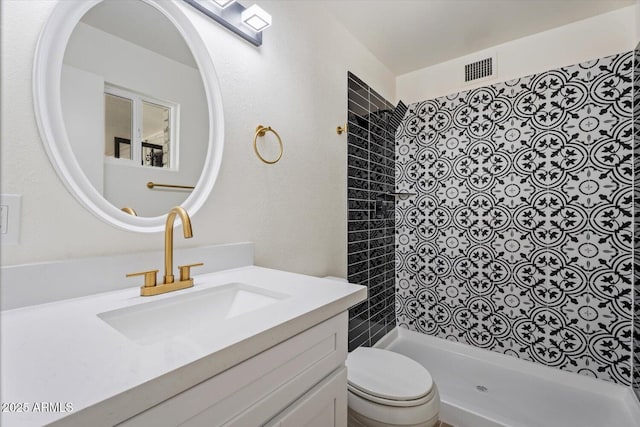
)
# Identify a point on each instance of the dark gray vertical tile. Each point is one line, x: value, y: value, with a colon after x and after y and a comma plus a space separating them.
x: 370, y: 177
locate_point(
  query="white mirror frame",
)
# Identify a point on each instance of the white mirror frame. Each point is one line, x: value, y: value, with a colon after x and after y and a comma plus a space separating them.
x: 47, y: 72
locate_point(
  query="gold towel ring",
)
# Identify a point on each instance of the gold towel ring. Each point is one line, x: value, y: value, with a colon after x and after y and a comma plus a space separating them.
x: 261, y: 131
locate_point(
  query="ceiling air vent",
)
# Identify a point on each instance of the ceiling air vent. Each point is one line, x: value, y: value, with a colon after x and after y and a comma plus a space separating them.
x: 481, y: 69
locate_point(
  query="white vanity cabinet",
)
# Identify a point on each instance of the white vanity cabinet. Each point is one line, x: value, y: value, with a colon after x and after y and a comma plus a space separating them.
x: 280, y: 364
x: 301, y: 381
x: 324, y: 405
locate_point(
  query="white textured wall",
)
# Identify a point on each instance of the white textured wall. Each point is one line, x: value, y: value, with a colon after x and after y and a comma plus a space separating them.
x: 294, y: 211
x: 602, y: 35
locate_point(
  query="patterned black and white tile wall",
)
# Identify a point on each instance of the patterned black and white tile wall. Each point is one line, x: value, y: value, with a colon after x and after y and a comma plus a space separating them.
x: 371, y: 232
x: 519, y: 239
x: 636, y: 220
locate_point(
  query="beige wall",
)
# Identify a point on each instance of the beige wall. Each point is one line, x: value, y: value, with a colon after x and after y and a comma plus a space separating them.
x: 294, y: 211
x: 591, y: 38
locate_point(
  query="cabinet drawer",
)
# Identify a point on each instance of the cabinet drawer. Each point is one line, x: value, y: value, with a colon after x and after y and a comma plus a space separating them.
x: 325, y: 405
x: 240, y: 393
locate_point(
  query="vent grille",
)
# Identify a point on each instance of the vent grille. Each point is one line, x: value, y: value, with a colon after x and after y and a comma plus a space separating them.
x: 478, y: 70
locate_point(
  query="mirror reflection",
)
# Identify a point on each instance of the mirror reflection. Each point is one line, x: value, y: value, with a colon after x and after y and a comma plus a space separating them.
x: 152, y: 143
x: 134, y: 106
x: 118, y: 113
x: 156, y: 139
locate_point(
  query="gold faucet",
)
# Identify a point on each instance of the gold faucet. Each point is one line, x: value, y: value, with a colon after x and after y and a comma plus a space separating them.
x: 150, y: 287
x: 168, y: 239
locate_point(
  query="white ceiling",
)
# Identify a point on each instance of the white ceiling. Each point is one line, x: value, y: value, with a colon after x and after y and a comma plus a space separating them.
x: 407, y: 35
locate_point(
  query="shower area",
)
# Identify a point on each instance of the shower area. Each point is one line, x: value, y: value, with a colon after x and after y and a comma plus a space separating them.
x: 514, y: 219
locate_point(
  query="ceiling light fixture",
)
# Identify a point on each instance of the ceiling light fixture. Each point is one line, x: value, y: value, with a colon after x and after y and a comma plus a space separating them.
x: 223, y: 3
x: 248, y: 23
x: 256, y: 18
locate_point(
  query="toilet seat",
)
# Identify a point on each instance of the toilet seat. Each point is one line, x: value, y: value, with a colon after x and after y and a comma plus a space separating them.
x: 392, y: 403
x: 388, y: 378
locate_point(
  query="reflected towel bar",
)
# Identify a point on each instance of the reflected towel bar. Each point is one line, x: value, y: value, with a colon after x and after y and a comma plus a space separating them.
x: 152, y: 185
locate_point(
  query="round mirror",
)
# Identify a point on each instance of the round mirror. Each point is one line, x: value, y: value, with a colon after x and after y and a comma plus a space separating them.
x: 129, y: 109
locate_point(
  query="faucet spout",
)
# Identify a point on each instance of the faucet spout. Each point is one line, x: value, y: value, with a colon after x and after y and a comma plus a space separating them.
x: 151, y: 287
x: 168, y: 239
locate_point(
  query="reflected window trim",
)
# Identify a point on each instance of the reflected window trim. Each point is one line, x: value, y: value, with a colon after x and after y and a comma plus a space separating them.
x: 117, y: 143
x: 136, y: 144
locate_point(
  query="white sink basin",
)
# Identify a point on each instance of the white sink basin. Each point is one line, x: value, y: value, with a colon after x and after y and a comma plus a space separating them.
x: 154, y: 321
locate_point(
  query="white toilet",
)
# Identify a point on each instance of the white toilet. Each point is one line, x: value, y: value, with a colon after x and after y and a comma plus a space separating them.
x: 389, y: 389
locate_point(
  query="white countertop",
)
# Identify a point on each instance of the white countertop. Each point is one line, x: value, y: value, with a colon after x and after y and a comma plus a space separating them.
x: 62, y: 353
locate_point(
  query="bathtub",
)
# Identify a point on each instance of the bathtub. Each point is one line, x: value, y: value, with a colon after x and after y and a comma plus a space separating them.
x: 481, y: 388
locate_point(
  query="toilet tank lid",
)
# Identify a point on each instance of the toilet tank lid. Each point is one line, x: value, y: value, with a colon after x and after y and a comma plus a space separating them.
x: 388, y: 375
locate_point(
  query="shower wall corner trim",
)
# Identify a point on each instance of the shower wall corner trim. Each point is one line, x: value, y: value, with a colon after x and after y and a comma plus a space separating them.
x: 636, y: 222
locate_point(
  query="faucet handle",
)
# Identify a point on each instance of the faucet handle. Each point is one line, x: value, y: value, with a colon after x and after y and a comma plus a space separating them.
x: 149, y: 277
x: 185, y: 270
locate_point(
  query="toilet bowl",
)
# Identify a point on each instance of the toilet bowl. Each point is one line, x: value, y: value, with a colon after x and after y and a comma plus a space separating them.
x: 388, y: 389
